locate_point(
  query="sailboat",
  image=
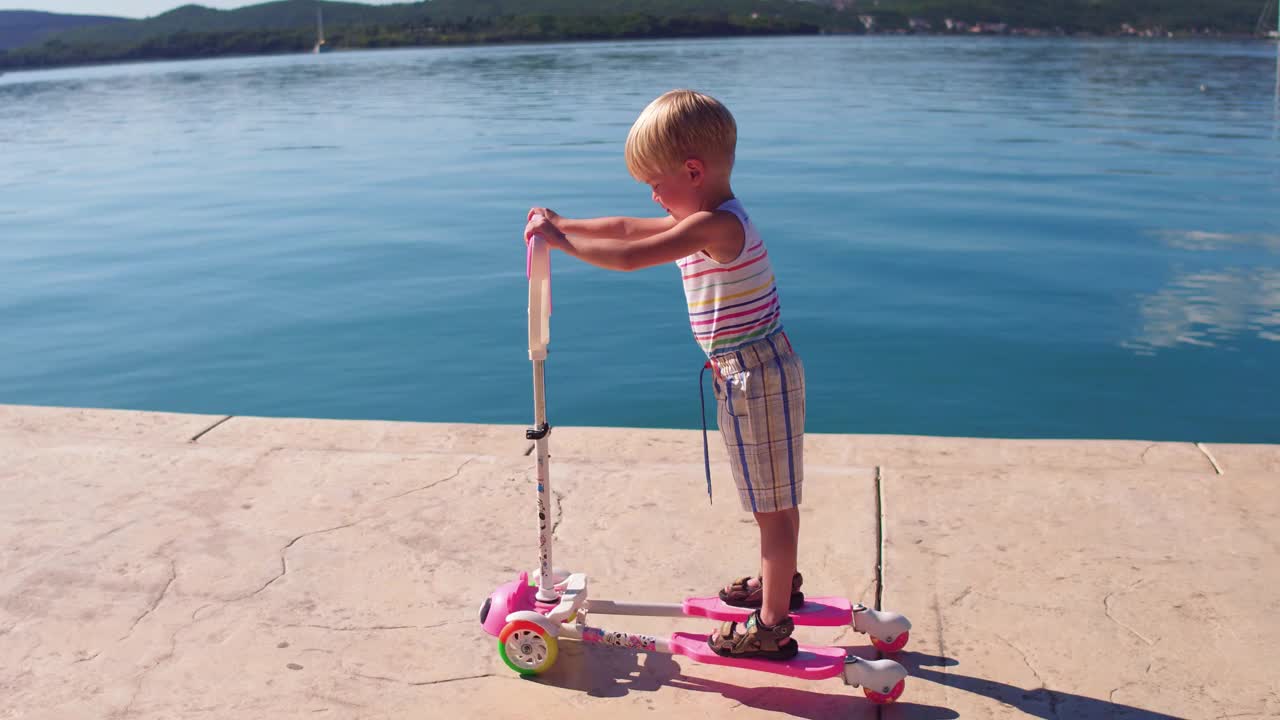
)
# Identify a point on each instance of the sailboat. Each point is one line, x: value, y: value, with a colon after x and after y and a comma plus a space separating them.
x: 1275, y: 113
x: 1262, y: 19
x: 320, y: 46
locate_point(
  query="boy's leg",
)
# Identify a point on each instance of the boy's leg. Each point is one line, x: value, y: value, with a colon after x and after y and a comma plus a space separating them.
x: 779, y: 543
x: 767, y: 633
x: 760, y: 394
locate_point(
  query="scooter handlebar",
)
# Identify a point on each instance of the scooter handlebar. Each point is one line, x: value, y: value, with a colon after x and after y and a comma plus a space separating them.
x: 538, y: 270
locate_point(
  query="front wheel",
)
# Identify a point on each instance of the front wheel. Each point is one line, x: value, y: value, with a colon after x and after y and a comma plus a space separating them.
x: 884, y: 698
x: 527, y: 647
x: 891, y: 647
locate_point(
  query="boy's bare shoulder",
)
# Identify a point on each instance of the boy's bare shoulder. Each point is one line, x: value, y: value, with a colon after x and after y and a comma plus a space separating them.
x: 714, y: 222
x: 725, y: 235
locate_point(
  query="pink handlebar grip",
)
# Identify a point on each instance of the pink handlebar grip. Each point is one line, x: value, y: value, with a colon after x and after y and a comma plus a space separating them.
x: 528, y: 250
x: 537, y: 268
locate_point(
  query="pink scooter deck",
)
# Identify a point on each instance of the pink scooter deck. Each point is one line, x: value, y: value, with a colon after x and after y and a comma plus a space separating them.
x: 816, y: 612
x: 811, y: 663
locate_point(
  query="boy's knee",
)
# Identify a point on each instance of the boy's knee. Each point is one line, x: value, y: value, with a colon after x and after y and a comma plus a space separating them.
x: 775, y: 517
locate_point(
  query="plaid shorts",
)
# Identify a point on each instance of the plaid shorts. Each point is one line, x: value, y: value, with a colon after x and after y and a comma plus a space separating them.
x: 760, y: 396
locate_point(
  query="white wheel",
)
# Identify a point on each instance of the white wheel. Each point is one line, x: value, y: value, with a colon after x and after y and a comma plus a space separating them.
x: 527, y: 648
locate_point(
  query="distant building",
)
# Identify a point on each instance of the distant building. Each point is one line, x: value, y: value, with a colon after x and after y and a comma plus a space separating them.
x: 868, y: 22
x: 919, y: 25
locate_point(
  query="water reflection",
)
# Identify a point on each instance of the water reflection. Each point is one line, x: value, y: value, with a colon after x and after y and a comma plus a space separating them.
x: 1209, y: 241
x: 1213, y: 307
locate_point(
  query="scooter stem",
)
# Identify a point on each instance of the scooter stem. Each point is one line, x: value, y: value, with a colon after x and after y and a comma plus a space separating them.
x: 538, y: 270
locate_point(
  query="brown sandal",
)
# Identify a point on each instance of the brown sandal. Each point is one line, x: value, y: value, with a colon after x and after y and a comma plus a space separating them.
x: 753, y: 639
x: 748, y: 592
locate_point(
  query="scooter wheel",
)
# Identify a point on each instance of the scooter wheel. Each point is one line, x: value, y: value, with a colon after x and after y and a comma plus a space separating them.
x: 885, y: 698
x: 891, y: 647
x: 527, y: 647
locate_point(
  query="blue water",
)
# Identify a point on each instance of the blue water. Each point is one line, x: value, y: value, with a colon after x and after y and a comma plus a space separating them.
x: 1017, y: 238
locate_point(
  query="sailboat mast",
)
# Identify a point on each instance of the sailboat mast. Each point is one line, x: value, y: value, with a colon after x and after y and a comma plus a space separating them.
x: 1260, y: 28
x: 320, y: 46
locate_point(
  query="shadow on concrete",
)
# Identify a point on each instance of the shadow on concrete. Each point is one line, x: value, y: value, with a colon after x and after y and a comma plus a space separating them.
x: 608, y: 673
x: 1036, y: 702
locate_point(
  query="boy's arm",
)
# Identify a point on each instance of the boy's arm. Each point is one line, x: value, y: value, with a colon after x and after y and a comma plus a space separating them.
x: 697, y: 232
x: 622, y: 228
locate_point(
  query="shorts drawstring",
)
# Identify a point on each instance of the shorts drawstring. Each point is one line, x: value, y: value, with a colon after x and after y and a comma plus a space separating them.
x: 706, y: 452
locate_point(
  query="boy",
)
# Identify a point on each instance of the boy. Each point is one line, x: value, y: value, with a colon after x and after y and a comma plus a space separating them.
x: 682, y: 146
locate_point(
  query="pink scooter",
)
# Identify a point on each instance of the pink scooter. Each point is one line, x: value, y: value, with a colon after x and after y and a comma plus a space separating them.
x: 530, y: 616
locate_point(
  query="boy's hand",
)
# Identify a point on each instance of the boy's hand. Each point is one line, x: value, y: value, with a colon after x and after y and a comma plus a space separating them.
x: 547, y: 213
x: 541, y: 225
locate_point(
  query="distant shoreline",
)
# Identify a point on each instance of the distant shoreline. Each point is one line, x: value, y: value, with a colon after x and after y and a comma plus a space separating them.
x: 1173, y: 37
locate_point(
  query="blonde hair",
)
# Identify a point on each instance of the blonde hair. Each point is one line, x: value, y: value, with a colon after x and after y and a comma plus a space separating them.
x: 679, y: 125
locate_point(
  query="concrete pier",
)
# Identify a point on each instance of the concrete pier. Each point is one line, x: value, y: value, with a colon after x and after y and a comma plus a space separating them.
x: 180, y: 566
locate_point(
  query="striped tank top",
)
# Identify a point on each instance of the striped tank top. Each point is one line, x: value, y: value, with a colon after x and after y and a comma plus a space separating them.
x: 736, y: 303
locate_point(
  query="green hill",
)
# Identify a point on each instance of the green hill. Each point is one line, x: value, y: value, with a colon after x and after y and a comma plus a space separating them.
x: 1095, y: 16
x: 284, y: 15
x: 301, y: 15
x: 23, y: 27
x: 193, y: 31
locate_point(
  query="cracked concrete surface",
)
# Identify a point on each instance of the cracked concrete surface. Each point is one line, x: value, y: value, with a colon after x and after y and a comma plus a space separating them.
x: 173, y: 575
x: 173, y: 566
x: 1106, y: 607
x: 1107, y: 593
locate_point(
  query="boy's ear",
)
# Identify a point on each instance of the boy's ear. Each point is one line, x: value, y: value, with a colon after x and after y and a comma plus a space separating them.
x: 695, y: 169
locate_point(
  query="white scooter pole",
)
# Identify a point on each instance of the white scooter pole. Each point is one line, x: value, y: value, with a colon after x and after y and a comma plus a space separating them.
x: 538, y: 269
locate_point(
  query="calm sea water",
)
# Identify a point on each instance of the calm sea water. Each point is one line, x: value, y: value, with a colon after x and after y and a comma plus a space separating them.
x: 973, y: 237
